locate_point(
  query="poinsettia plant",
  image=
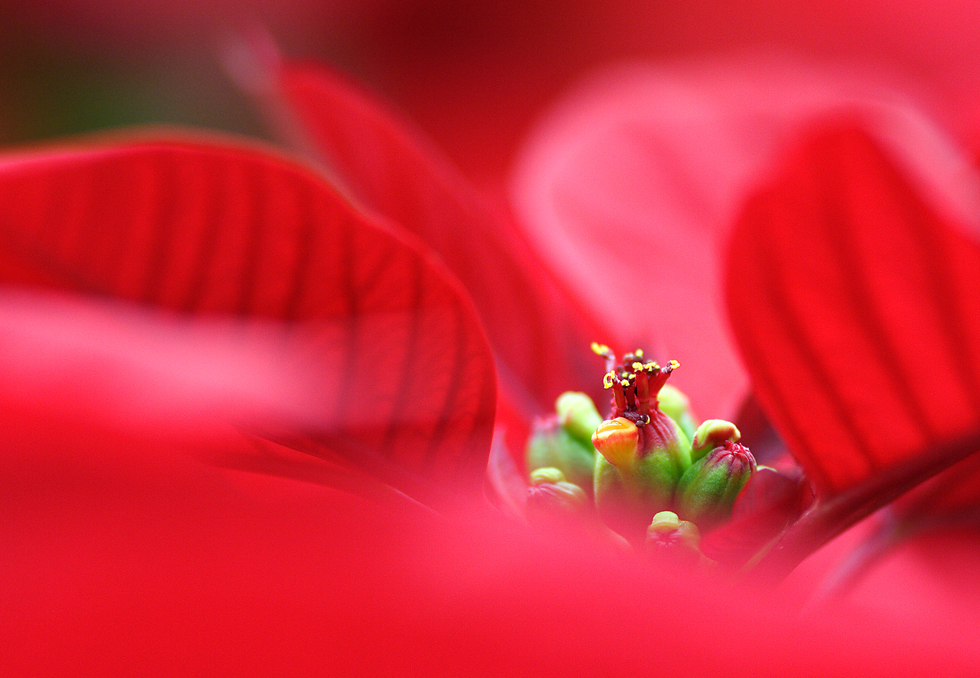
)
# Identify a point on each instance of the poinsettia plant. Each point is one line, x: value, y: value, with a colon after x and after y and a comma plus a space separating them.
x: 249, y: 406
x: 862, y: 150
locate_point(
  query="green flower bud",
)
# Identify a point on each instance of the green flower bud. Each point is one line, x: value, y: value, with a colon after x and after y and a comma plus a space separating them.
x: 676, y: 405
x: 551, y: 500
x: 668, y: 536
x: 578, y: 415
x: 708, y: 489
x: 711, y: 434
x: 553, y: 445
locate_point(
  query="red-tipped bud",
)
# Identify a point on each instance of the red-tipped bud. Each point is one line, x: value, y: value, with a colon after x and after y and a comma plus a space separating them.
x: 707, y: 490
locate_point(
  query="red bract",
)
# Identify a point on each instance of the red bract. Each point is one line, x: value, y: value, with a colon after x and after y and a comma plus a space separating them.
x: 844, y: 279
x: 540, y: 334
x: 144, y: 561
x: 394, y: 360
x: 852, y: 295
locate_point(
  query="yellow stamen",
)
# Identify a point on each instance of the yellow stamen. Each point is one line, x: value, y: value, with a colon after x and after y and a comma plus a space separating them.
x: 601, y: 349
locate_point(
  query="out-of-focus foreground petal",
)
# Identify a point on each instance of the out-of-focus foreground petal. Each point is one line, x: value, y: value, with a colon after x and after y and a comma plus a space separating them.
x: 399, y: 374
x: 121, y: 556
x: 853, y: 291
x: 631, y: 184
x: 540, y: 335
x: 937, y: 570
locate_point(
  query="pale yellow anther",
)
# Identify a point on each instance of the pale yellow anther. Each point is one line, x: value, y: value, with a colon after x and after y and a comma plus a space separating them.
x: 548, y: 475
x: 638, y: 353
x: 601, y: 349
x: 637, y: 367
x: 673, y: 364
x: 608, y: 380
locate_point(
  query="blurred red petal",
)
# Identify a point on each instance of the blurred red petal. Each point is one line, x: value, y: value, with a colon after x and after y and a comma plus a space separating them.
x: 402, y: 376
x: 124, y: 553
x: 507, y: 487
x: 852, y: 292
x: 541, y: 338
x: 937, y: 572
x: 630, y: 186
x: 129, y: 367
x: 143, y: 562
x: 953, y: 492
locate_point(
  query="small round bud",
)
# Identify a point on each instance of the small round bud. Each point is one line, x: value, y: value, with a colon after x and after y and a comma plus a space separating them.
x: 555, y: 503
x: 669, y: 536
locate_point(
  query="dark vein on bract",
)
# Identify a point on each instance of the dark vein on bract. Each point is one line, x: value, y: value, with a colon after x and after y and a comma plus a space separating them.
x: 255, y: 179
x: 213, y: 215
x: 447, y: 414
x: 352, y: 320
x: 159, y: 222
x: 78, y: 192
x: 859, y: 294
x: 752, y: 343
x: 809, y: 354
x: 480, y: 426
x: 412, y: 373
x: 305, y: 201
x: 942, y: 286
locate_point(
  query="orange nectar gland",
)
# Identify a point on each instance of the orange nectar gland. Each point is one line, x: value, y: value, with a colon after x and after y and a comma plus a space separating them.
x: 617, y: 440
